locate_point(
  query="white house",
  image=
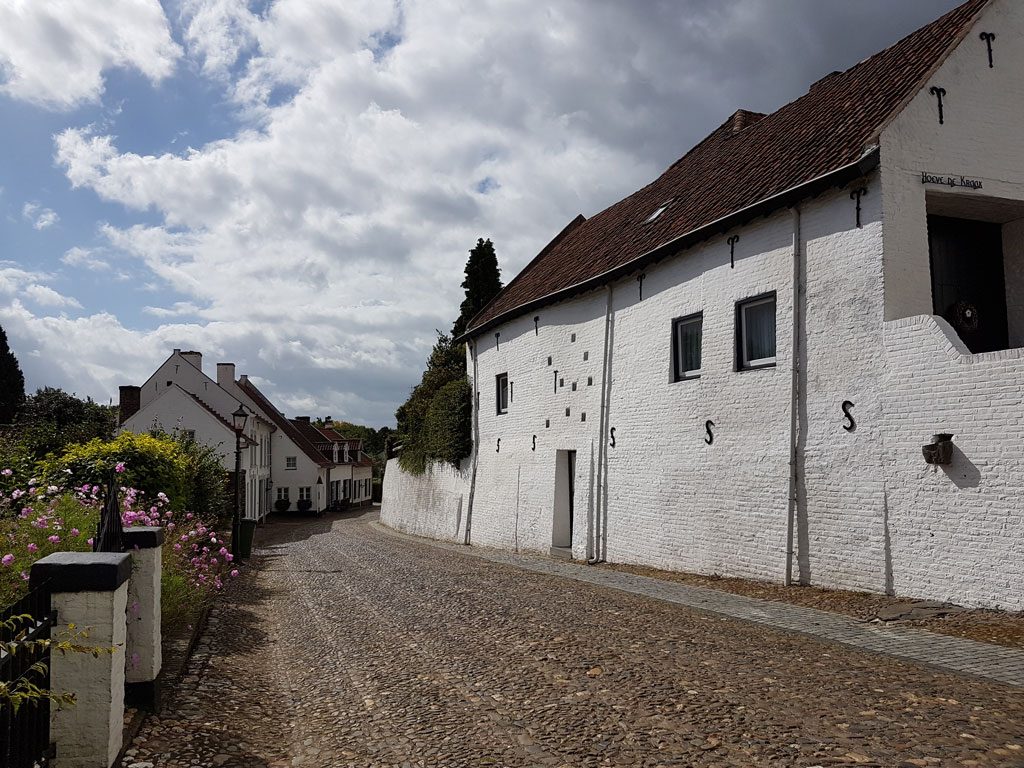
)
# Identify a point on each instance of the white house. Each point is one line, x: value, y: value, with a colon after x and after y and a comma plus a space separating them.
x: 739, y: 369
x: 277, y: 460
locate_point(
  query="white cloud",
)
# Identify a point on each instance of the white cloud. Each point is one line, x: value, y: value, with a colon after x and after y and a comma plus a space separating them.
x: 54, y: 53
x: 41, y: 218
x: 16, y: 283
x: 323, y: 243
x: 84, y: 257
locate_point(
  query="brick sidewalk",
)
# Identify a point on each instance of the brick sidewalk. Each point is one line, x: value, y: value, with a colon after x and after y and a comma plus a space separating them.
x: 992, y: 662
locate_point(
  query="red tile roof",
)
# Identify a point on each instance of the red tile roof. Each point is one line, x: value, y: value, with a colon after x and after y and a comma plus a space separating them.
x: 282, y: 423
x: 748, y: 160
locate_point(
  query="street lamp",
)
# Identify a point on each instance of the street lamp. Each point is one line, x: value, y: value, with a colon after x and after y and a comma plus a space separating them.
x: 238, y: 419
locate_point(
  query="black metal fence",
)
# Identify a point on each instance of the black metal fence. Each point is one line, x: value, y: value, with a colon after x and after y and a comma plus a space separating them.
x: 25, y: 730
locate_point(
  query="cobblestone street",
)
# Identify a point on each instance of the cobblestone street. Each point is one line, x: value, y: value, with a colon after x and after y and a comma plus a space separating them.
x: 345, y: 645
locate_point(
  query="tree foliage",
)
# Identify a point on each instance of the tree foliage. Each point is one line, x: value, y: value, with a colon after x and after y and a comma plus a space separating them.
x: 427, y: 437
x: 482, y: 283
x: 12, y: 382
x: 51, y: 419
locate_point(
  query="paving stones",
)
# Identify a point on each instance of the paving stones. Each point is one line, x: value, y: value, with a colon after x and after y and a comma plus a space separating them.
x: 345, y: 646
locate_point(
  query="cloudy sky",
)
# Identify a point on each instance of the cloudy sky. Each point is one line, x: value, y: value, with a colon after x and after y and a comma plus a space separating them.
x: 293, y: 185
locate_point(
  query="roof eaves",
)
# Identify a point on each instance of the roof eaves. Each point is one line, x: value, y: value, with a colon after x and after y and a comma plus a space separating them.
x: 837, y: 177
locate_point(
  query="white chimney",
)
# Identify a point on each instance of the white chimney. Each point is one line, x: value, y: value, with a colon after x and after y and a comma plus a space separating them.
x: 225, y: 374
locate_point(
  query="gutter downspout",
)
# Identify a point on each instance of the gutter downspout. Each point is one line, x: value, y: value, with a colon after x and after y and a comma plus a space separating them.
x: 476, y: 443
x: 595, y: 555
x: 794, y: 418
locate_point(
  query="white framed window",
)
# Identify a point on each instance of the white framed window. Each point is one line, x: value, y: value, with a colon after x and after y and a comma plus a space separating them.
x: 305, y: 493
x: 291, y: 462
x: 282, y: 493
x: 190, y: 434
x: 755, y: 332
x: 501, y: 392
x: 686, y: 342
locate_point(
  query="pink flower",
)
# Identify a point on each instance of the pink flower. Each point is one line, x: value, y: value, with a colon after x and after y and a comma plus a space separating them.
x: 32, y: 547
x: 75, y: 532
x: 234, y: 572
x: 89, y: 541
x: 6, y: 472
x: 119, y: 467
x: 24, y: 576
x: 223, y: 551
x: 177, y: 547
x: 7, y: 559
x: 55, y: 539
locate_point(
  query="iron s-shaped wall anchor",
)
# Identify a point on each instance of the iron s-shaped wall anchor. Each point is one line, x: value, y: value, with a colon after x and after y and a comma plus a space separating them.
x: 612, y: 432
x: 852, y: 425
x: 707, y: 428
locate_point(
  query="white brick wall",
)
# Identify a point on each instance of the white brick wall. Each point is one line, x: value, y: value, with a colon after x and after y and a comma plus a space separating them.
x: 870, y: 514
x: 431, y: 505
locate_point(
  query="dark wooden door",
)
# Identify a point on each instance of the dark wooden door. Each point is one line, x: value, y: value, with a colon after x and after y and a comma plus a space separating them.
x: 968, y: 288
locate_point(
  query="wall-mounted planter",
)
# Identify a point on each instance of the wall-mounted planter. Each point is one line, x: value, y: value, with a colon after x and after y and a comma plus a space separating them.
x: 940, y: 450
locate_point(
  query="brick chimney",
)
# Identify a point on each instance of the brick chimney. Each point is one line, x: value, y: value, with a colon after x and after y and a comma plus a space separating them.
x: 128, y: 403
x: 196, y: 358
x: 225, y: 374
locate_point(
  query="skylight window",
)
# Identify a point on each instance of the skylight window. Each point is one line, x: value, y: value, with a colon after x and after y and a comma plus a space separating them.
x: 657, y: 213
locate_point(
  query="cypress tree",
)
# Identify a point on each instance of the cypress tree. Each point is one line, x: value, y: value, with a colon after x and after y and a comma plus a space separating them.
x: 12, y: 382
x: 482, y: 283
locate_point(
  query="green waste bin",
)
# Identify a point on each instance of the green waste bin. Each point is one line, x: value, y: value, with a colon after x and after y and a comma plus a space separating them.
x: 245, y: 540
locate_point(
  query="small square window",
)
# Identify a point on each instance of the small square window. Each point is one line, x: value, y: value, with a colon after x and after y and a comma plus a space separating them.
x: 572, y: 338
x: 755, y: 333
x: 291, y: 462
x: 590, y: 381
x: 574, y: 386
x: 583, y: 417
x: 566, y: 411
x: 547, y: 423
x: 501, y: 392
x: 305, y: 493
x: 687, y: 333
x: 282, y: 493
x: 586, y: 356
x: 549, y: 360
x: 190, y: 435
x: 561, y: 382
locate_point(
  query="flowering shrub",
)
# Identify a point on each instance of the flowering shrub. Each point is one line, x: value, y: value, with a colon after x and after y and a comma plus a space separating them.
x: 36, y: 520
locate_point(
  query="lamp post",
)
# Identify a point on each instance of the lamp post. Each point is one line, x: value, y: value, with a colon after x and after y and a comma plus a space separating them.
x: 238, y: 419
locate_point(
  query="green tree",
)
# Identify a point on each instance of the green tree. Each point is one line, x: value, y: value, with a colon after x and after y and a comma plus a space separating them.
x: 12, y: 382
x: 51, y: 420
x: 482, y: 283
x: 418, y: 430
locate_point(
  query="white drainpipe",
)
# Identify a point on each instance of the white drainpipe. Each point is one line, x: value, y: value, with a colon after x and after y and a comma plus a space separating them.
x: 476, y: 442
x: 794, y: 419
x: 597, y: 526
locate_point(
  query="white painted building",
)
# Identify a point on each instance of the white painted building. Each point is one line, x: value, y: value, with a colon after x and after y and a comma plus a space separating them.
x: 735, y: 369
x: 277, y: 460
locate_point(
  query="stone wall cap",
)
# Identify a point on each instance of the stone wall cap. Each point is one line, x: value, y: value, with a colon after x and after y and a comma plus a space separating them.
x: 144, y: 536
x: 82, y: 571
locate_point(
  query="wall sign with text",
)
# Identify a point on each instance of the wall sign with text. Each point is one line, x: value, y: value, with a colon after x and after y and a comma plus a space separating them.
x: 950, y: 181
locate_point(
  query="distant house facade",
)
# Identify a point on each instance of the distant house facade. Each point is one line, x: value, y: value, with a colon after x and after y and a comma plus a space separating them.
x: 752, y: 366
x: 278, y: 460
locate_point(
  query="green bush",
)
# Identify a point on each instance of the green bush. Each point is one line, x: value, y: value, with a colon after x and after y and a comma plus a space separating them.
x: 152, y: 464
x: 448, y: 422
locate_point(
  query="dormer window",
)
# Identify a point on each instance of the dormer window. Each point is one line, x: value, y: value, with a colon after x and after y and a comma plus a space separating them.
x: 661, y: 209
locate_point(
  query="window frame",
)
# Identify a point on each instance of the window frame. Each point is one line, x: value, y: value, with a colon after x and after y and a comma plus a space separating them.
x: 676, y: 352
x: 742, y: 364
x: 291, y: 462
x: 497, y: 393
x: 282, y: 493
x: 305, y: 493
